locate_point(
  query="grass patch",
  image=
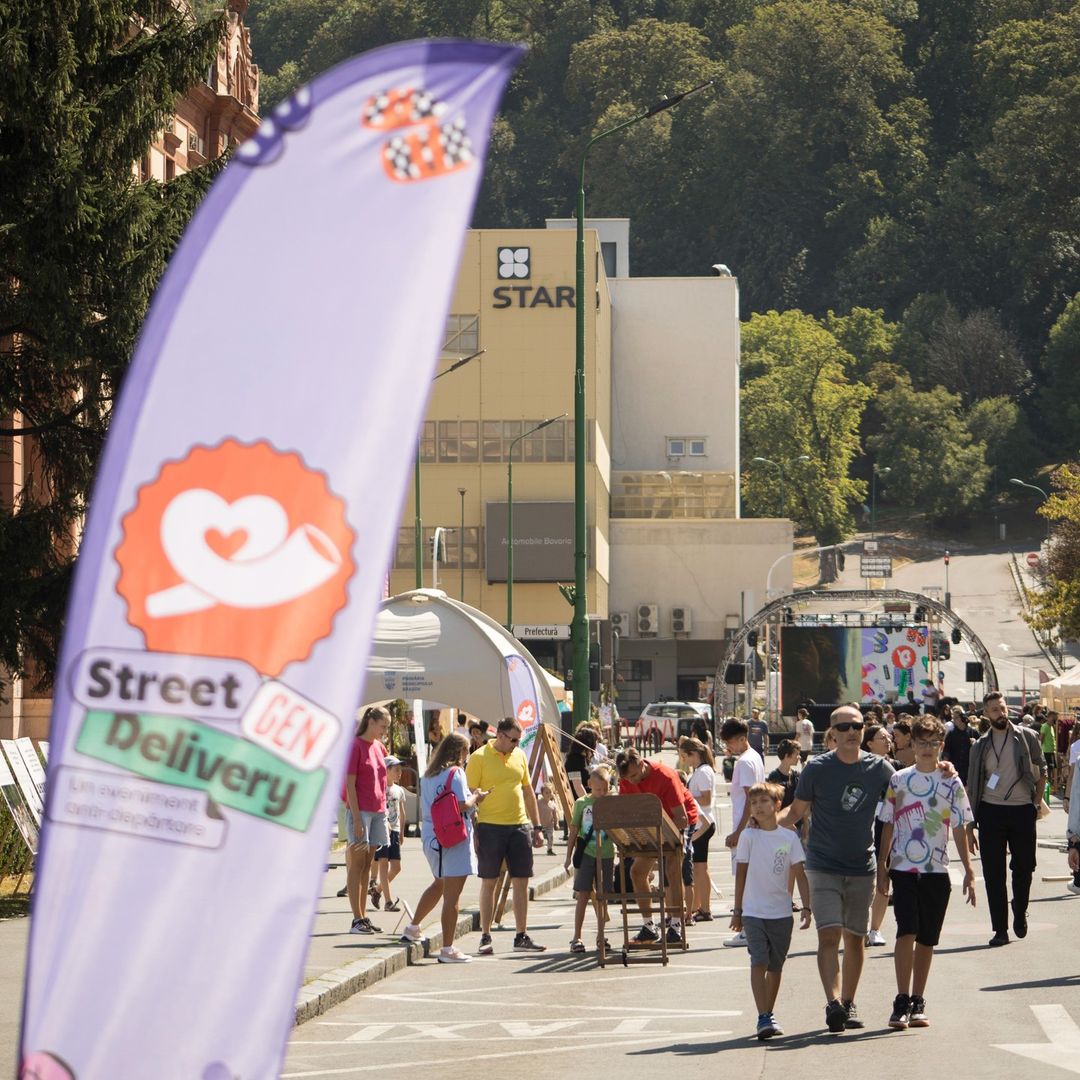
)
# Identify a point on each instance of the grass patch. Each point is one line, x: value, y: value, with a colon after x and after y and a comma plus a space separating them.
x: 15, y: 905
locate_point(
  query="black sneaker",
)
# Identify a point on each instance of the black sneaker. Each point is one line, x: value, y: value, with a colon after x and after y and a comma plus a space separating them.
x: 343, y: 891
x: 374, y: 929
x: 1020, y: 924
x: 524, y: 943
x: 375, y: 896
x: 486, y: 948
x: 703, y: 916
x: 918, y: 1017
x: 901, y: 1006
x: 852, y: 1018
x: 999, y: 939
x: 361, y: 926
x: 835, y: 1017
x: 646, y: 934
x: 674, y: 935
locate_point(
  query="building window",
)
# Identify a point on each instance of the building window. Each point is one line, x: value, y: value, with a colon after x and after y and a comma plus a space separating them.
x: 448, y: 440
x: 533, y: 445
x: 427, y: 441
x: 607, y: 251
x: 511, y: 430
x: 555, y: 441
x: 635, y: 670
x: 462, y: 334
x: 405, y: 553
x: 470, y: 440
x: 683, y: 445
x: 493, y: 440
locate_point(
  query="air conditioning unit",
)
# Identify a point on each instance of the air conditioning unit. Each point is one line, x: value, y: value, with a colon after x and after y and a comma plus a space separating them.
x: 681, y: 622
x: 620, y: 623
x: 648, y: 619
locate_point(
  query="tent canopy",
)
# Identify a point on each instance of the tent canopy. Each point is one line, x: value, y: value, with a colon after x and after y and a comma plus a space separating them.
x: 1063, y: 692
x: 429, y: 646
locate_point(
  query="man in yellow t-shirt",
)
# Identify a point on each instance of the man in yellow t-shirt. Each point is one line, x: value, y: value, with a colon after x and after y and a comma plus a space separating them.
x: 502, y: 829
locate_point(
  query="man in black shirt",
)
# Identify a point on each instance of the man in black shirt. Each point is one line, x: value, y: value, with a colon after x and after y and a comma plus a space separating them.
x: 959, y: 736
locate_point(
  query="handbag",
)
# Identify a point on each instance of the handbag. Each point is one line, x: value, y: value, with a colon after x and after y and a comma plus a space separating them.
x: 446, y: 817
x: 580, y: 845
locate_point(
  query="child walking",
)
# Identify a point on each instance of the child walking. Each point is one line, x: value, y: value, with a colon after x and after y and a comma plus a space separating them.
x: 921, y: 807
x: 768, y: 863
x: 581, y: 825
x: 388, y: 858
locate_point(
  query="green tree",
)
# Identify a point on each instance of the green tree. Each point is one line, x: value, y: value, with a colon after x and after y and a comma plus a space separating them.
x: 798, y: 400
x: 975, y: 357
x: 935, y: 464
x: 1056, y: 604
x: 1061, y: 363
x: 81, y: 249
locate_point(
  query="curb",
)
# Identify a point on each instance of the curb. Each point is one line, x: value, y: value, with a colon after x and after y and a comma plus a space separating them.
x: 337, y: 985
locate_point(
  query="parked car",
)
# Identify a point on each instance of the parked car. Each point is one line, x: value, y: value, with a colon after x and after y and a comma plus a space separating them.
x: 669, y: 721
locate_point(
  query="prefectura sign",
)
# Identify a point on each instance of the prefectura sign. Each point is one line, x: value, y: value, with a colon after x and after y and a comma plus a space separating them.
x: 221, y: 617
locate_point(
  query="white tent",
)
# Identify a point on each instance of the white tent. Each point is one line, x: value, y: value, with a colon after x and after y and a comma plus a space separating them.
x: 429, y: 646
x: 1063, y: 692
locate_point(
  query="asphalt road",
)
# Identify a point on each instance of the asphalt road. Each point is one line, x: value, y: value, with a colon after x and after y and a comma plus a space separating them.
x: 994, y: 1012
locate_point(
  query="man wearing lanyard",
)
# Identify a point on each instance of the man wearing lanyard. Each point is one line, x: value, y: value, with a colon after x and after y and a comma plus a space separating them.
x: 1007, y: 774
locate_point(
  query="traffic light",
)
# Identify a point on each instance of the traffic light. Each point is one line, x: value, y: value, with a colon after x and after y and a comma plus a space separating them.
x: 946, y: 558
x: 956, y: 635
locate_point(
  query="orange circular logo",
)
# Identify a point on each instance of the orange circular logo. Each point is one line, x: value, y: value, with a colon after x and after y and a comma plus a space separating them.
x: 237, y: 550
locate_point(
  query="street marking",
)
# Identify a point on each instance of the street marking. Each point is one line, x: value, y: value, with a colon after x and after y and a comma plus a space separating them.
x: 560, y: 1048
x: 1063, y: 1048
x: 688, y: 1013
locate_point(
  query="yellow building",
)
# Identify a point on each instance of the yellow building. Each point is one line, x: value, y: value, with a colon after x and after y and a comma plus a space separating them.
x: 515, y: 300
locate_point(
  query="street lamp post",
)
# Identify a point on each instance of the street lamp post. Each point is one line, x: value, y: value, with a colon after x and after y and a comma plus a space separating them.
x: 461, y: 548
x: 1032, y: 487
x: 418, y: 526
x: 874, y: 473
x: 510, y: 517
x: 579, y: 627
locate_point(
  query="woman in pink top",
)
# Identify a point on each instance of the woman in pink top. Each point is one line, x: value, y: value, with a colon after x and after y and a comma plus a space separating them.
x: 365, y: 814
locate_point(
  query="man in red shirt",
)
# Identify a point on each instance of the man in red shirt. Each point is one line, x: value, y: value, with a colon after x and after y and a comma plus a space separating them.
x: 637, y: 776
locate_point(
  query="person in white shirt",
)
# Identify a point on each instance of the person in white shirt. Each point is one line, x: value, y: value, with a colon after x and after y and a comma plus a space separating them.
x: 698, y: 760
x: 804, y: 732
x: 768, y: 862
x: 749, y: 770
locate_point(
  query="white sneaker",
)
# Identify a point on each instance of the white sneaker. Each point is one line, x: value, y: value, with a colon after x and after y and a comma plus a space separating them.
x: 453, y: 956
x: 1073, y: 888
x: 411, y: 935
x: 736, y: 942
x: 875, y: 937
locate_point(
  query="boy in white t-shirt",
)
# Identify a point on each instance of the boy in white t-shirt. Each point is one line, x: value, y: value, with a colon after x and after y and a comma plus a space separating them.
x: 768, y: 863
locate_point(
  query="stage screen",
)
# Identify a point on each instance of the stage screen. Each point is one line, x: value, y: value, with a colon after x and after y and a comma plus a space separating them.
x: 827, y: 664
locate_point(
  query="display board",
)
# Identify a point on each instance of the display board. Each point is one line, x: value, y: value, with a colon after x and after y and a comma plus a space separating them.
x: 827, y: 664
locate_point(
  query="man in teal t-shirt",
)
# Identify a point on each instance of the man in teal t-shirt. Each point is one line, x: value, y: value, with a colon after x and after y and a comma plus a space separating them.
x: 581, y: 825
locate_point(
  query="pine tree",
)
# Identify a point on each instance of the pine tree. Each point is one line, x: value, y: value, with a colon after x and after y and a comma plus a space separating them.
x: 84, y: 87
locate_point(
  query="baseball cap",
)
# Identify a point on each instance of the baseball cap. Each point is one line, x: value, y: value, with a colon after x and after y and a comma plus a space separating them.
x: 390, y: 762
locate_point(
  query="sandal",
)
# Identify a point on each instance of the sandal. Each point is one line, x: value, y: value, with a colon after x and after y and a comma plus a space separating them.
x: 392, y: 906
x: 605, y: 942
x: 577, y: 945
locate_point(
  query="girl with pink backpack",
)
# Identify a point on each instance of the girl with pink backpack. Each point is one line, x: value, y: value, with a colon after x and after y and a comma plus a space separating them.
x: 446, y: 834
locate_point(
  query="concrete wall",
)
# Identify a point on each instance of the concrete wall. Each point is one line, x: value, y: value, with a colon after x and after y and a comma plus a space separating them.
x: 675, y: 371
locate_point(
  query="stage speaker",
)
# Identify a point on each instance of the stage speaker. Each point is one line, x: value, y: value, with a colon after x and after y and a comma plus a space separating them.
x: 735, y: 674
x: 973, y: 671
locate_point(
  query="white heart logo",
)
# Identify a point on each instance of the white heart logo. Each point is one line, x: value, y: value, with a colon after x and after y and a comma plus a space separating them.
x: 240, y: 554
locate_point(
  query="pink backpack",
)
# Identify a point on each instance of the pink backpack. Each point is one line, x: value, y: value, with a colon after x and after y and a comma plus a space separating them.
x: 446, y: 817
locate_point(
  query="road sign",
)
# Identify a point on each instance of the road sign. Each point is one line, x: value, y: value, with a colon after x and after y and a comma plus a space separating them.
x: 544, y: 631
x: 1033, y: 558
x: 875, y: 566
x: 870, y: 546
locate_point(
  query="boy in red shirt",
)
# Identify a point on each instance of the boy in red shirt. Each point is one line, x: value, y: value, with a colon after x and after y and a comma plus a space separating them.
x: 637, y: 776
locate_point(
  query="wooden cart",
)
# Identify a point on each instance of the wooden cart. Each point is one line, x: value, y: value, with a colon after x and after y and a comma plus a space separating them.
x: 639, y: 829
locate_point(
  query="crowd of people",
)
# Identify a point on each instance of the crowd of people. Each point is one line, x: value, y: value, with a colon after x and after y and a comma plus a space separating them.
x: 858, y: 825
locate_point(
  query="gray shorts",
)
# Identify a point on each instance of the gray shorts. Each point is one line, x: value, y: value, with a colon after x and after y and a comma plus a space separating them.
x: 841, y: 900
x: 768, y: 941
x: 585, y: 874
x: 373, y: 832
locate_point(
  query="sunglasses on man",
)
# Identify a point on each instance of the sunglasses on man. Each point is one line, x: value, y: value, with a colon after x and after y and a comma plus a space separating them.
x: 849, y: 725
